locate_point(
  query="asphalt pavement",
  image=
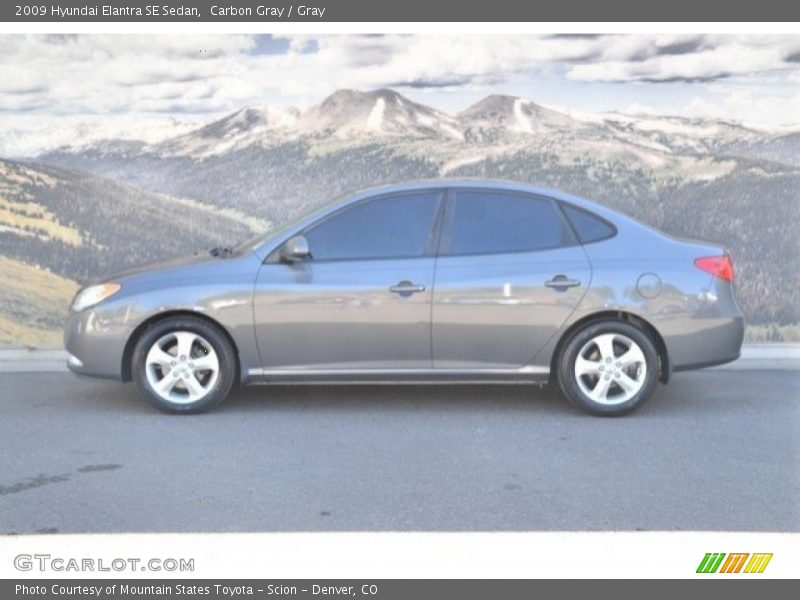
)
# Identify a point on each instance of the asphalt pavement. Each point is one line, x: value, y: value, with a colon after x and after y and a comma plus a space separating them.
x: 713, y: 450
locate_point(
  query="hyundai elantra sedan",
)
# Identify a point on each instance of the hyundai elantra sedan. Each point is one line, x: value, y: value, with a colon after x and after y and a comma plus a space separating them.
x: 446, y: 281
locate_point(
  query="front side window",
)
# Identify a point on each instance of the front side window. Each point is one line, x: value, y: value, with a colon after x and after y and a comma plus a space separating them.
x: 495, y: 222
x: 397, y: 226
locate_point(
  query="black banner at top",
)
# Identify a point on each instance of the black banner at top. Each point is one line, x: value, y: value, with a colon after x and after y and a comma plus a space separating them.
x: 396, y: 11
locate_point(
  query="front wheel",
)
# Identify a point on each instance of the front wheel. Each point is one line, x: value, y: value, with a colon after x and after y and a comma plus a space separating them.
x: 608, y: 368
x: 184, y: 365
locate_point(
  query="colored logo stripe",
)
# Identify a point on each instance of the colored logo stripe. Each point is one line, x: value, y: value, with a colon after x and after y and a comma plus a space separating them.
x: 758, y: 563
x: 710, y: 562
x: 733, y: 564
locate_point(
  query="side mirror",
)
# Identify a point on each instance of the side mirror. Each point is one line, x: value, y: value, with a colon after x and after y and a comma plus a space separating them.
x: 295, y: 250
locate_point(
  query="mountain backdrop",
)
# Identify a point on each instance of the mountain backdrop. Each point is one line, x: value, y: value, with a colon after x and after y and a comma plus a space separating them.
x: 74, y: 212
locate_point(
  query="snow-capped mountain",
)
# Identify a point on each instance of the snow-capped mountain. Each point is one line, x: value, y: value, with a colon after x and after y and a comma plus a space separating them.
x: 682, y: 134
x: 238, y: 130
x: 500, y: 118
x: 345, y: 115
x: 349, y: 113
x: 492, y: 125
x: 27, y: 136
x: 493, y: 131
x: 497, y: 116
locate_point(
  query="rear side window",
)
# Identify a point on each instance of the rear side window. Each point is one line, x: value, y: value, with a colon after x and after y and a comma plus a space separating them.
x: 589, y: 227
x: 386, y: 227
x: 491, y: 222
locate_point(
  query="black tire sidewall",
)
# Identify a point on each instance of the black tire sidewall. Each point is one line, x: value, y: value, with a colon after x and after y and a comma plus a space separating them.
x: 218, y: 340
x: 566, y: 373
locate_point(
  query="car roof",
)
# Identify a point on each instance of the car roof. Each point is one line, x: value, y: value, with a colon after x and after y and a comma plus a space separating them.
x: 465, y: 182
x: 481, y: 183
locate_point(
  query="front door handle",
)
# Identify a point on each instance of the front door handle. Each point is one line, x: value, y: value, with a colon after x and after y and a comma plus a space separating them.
x: 560, y: 283
x: 406, y: 288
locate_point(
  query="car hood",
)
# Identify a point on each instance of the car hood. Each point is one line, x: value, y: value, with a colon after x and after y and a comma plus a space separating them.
x: 198, y: 258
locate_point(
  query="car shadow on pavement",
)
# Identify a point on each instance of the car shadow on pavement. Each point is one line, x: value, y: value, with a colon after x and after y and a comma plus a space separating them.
x: 689, y: 394
x: 396, y: 398
x: 368, y: 397
x: 115, y: 397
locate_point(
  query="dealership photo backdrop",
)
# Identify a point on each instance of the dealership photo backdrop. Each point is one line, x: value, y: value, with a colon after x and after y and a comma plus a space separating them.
x: 118, y: 151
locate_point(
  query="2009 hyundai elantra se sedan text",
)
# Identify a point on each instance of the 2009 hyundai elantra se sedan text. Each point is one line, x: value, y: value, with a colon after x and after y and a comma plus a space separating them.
x: 447, y: 281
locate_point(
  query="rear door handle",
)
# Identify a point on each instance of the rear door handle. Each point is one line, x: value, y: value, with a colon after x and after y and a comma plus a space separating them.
x: 406, y: 288
x: 561, y: 283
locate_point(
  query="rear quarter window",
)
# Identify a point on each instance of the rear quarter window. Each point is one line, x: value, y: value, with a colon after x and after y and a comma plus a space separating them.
x: 588, y: 226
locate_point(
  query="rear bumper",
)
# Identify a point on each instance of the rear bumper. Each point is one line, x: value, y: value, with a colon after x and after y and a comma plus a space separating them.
x: 705, y: 342
x: 712, y: 363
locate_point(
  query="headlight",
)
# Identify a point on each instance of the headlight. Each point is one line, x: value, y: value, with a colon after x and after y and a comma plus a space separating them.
x: 93, y: 294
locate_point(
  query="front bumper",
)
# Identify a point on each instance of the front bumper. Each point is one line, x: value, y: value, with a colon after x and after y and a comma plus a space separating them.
x: 95, y: 344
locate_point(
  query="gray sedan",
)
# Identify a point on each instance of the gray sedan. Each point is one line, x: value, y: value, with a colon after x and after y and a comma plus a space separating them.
x: 447, y: 281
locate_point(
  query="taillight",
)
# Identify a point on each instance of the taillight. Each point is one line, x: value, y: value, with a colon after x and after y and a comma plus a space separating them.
x: 718, y: 266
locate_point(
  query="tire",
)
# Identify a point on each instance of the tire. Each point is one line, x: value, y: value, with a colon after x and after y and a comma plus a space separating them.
x: 603, y: 387
x: 184, y: 365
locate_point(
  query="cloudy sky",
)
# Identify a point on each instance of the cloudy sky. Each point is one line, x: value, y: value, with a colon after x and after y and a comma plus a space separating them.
x: 47, y: 80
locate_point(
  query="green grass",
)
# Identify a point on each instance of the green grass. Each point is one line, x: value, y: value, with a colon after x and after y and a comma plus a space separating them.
x: 36, y: 219
x: 33, y: 304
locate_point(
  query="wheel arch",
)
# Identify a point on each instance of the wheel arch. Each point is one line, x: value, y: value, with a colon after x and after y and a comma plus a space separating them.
x: 127, y: 354
x: 625, y: 317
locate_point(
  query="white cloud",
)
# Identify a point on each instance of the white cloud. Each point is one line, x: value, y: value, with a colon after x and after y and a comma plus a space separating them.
x: 60, y: 77
x: 725, y: 58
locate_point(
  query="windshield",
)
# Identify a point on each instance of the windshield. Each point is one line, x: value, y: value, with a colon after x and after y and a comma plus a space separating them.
x: 274, y: 230
x: 277, y: 229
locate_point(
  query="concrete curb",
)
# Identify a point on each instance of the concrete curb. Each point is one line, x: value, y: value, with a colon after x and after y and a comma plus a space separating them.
x: 782, y: 357
x: 32, y: 360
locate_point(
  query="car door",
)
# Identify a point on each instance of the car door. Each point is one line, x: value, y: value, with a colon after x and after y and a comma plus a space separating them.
x: 363, y: 298
x: 509, y: 274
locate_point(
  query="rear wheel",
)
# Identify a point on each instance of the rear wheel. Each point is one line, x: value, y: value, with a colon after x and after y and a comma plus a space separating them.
x: 184, y: 365
x: 608, y: 368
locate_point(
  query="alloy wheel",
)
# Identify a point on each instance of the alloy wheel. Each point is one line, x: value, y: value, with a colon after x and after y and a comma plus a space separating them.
x: 610, y: 369
x: 182, y: 367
